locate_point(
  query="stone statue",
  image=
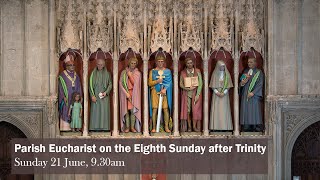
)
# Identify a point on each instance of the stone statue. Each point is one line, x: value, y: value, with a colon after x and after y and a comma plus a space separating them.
x: 75, y: 112
x: 130, y: 97
x: 100, y: 88
x: 220, y: 114
x: 191, y: 97
x: 160, y: 94
x: 251, y: 93
x: 69, y: 83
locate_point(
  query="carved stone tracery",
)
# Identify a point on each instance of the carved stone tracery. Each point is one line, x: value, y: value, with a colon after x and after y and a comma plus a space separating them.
x: 129, y: 28
x: 70, y: 18
x: 162, y: 28
x: 222, y: 26
x: 191, y: 27
x: 252, y: 29
x: 305, y: 153
x: 99, y: 25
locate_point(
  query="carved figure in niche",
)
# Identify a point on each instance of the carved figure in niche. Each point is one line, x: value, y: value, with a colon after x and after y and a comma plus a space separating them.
x: 69, y: 83
x: 251, y: 94
x: 191, y: 84
x: 130, y: 97
x: 160, y: 94
x: 75, y: 112
x: 220, y: 114
x: 100, y: 88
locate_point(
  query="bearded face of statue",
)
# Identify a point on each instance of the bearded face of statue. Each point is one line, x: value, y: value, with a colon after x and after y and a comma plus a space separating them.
x: 100, y: 64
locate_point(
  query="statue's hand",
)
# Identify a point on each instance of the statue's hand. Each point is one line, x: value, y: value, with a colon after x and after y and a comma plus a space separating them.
x: 219, y: 94
x: 163, y: 91
x: 196, y: 99
x: 250, y: 95
x: 94, y: 99
x: 159, y: 80
x: 192, y: 88
x: 129, y: 73
x: 128, y: 97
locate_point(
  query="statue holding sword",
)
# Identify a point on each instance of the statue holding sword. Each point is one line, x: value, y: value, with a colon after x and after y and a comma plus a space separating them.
x: 160, y: 95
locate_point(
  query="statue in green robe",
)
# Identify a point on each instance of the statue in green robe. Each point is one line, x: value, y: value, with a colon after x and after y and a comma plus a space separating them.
x: 100, y: 88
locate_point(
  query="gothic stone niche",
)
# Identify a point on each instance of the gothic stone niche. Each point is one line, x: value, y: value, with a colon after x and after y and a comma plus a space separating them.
x: 122, y: 64
x: 100, y: 54
x: 168, y: 64
x: 306, y: 154
x: 78, y: 63
x: 227, y: 58
x: 198, y: 63
x: 243, y: 64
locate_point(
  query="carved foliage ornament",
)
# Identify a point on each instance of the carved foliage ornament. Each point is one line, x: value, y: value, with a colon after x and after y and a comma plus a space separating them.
x: 221, y: 31
x: 293, y: 119
x: 30, y: 120
x: 129, y: 35
x: 162, y: 29
x: 99, y: 25
x: 70, y: 16
x: 252, y: 35
x: 191, y: 26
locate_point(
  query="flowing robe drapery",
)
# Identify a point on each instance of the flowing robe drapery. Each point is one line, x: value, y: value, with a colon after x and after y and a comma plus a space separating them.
x: 220, y: 114
x: 250, y: 109
x: 126, y: 86
x: 66, y: 90
x: 196, y: 108
x: 100, y: 81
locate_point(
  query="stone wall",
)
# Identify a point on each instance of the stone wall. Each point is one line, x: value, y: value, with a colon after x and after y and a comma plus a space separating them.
x: 28, y: 63
x: 294, y: 39
x: 24, y: 48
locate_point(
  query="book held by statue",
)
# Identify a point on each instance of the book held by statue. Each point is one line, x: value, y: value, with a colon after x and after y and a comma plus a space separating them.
x: 191, y: 81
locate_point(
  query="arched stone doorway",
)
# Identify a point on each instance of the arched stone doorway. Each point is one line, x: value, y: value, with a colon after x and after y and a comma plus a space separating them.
x: 8, y: 132
x: 306, y: 154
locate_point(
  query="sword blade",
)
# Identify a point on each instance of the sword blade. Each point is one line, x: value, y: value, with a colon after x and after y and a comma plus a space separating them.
x: 159, y: 113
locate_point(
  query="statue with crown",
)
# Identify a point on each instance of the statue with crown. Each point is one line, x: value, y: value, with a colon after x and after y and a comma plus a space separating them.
x: 160, y: 94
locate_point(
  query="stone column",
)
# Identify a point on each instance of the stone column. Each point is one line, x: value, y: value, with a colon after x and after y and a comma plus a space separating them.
x: 85, y: 79
x: 175, y: 100
x: 205, y: 73
x: 205, y: 97
x: 115, y: 131
x: 236, y: 72
x: 85, y: 96
x: 53, y: 64
x: 145, y: 99
x: 236, y: 96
